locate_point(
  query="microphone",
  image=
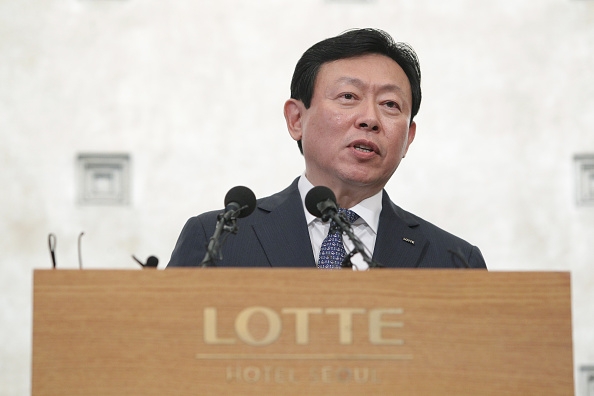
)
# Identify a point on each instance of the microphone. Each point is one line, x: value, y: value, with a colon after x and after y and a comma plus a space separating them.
x: 51, y: 241
x: 240, y: 202
x: 151, y: 262
x: 79, y: 253
x: 320, y: 201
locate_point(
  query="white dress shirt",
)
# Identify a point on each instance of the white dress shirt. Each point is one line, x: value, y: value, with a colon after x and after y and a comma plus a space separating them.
x: 365, y: 227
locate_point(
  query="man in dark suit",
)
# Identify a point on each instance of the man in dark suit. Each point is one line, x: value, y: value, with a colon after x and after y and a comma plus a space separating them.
x: 353, y: 101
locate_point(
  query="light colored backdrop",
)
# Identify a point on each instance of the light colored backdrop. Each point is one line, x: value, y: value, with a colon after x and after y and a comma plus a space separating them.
x: 193, y: 91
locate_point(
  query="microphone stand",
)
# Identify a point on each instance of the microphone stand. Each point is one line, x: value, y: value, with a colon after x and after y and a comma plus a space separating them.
x: 345, y: 226
x: 227, y: 222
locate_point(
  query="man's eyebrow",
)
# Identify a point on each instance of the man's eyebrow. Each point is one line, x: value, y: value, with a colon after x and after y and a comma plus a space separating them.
x: 359, y: 83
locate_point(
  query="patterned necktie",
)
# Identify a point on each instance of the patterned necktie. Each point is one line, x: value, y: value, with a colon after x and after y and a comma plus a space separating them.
x: 332, y: 252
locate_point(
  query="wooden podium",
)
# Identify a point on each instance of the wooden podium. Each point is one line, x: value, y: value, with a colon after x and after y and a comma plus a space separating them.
x: 224, y: 331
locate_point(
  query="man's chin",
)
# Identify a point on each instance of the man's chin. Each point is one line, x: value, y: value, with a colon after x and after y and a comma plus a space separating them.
x: 364, y: 182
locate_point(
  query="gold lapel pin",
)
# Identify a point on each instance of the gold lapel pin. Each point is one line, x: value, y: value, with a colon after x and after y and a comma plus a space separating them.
x: 408, y: 240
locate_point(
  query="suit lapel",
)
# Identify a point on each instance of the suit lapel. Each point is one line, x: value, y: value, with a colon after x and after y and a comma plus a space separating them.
x: 399, y: 241
x: 282, y: 231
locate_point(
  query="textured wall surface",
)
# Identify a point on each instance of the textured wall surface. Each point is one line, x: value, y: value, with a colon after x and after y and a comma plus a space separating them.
x: 193, y: 92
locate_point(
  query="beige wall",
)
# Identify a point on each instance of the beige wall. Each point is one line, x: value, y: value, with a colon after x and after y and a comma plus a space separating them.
x: 193, y: 91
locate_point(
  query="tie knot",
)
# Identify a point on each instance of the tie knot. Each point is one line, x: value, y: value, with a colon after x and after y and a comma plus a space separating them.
x: 349, y: 215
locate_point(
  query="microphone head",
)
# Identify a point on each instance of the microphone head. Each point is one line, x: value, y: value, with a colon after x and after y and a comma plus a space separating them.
x: 244, y: 198
x: 152, y: 261
x: 317, y: 195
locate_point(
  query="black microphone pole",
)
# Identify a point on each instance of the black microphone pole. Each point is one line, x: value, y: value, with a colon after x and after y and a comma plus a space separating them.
x: 214, y: 245
x: 358, y: 246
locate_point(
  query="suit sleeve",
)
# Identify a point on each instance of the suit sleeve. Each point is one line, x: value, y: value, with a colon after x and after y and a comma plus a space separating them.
x: 475, y: 259
x: 191, y: 245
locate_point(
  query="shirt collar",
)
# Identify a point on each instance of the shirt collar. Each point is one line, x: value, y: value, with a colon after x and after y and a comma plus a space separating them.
x: 369, y: 209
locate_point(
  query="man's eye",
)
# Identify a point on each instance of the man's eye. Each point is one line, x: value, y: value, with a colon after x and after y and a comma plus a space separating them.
x: 348, y: 96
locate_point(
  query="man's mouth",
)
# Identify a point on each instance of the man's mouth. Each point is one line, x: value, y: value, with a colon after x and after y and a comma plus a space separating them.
x: 365, y: 147
x: 360, y: 147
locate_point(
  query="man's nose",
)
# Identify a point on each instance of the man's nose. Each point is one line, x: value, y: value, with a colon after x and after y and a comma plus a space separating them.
x: 369, y: 125
x: 368, y: 119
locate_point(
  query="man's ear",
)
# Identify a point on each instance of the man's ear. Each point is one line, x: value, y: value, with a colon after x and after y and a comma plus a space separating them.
x: 293, y: 114
x: 412, y: 131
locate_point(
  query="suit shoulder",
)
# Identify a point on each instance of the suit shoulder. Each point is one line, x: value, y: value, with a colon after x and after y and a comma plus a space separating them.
x: 414, y: 221
x: 440, y: 240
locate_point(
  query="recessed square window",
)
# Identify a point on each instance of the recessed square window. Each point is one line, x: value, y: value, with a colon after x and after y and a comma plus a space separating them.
x: 103, y: 179
x: 584, y: 176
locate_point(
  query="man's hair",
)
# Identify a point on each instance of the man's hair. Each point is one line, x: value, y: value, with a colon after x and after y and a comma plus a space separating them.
x: 351, y: 44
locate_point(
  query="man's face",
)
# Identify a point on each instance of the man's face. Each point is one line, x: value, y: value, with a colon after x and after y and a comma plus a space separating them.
x: 358, y: 128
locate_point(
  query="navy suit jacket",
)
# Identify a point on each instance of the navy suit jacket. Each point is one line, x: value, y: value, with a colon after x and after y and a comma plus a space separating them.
x: 276, y: 235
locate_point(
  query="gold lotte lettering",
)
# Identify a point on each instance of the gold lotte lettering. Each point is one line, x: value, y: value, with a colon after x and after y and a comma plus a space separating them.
x: 376, y: 319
